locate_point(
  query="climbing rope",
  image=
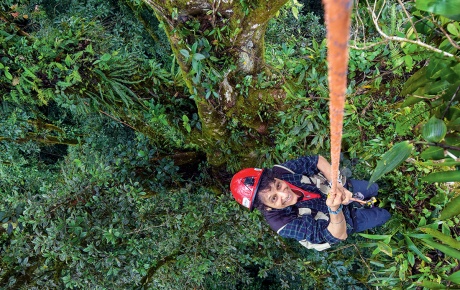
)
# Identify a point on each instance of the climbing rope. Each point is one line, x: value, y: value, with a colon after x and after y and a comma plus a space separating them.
x: 337, y: 16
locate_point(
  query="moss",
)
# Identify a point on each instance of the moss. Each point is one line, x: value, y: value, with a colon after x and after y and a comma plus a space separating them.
x: 249, y: 109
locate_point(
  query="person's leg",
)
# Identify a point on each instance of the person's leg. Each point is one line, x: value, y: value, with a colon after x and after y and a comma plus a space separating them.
x: 361, y: 186
x: 366, y: 218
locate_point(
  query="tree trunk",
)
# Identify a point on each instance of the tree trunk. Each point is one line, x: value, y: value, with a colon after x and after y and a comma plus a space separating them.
x: 219, y: 46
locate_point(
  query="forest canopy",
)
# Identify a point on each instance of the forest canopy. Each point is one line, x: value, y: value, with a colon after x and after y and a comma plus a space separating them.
x: 123, y: 121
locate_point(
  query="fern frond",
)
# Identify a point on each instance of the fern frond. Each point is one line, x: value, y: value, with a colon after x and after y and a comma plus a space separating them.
x: 393, y: 20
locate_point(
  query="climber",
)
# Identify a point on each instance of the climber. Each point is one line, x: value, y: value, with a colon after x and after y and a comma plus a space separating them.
x: 296, y: 201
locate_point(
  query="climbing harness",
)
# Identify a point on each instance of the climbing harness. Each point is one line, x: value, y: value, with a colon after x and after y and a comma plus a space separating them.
x: 359, y: 202
x: 322, y: 183
x: 370, y: 203
x: 319, y: 180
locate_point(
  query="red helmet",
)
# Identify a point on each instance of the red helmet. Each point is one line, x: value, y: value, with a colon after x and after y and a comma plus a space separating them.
x: 244, y: 186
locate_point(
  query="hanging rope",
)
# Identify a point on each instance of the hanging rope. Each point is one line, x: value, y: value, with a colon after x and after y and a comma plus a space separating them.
x: 337, y: 16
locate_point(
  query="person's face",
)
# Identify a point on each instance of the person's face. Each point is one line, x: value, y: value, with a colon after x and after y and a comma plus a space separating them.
x: 279, y: 195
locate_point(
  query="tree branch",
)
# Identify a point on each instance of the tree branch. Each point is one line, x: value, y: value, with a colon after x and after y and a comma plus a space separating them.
x: 265, y: 12
x: 368, y: 46
x: 144, y: 22
x: 401, y: 39
x: 360, y: 24
x: 454, y: 44
x: 409, y: 18
x: 450, y: 103
x: 159, y: 11
x: 19, y: 31
x: 444, y: 146
x: 112, y: 117
x: 145, y: 281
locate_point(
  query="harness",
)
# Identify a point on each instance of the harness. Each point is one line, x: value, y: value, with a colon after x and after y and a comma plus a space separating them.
x: 318, y: 180
x: 306, y: 195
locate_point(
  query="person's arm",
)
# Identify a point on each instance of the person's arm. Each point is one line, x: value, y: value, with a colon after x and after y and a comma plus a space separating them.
x: 310, y: 165
x: 325, y: 167
x: 308, y: 227
x: 337, y: 224
x: 314, y: 227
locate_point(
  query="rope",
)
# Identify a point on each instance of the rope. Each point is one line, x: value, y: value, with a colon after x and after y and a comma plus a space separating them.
x: 337, y: 16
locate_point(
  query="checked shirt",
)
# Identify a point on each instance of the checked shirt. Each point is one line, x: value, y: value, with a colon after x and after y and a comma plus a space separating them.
x: 306, y: 221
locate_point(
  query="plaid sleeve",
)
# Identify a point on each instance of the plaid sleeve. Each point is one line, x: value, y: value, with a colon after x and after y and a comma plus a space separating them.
x: 307, y: 228
x: 306, y: 165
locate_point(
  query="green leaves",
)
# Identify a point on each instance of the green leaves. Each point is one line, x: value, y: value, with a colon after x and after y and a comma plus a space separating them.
x: 416, y: 250
x: 443, y: 176
x: 295, y: 5
x: 454, y: 28
x: 455, y: 277
x: 451, y: 209
x: 104, y: 58
x: 436, y: 152
x: 195, y: 56
x: 434, y: 130
x: 447, y: 162
x: 385, y: 238
x: 447, y: 8
x: 385, y: 248
x: 186, y: 123
x: 2, y: 217
x: 438, y: 78
x: 185, y: 53
x: 391, y: 159
x: 443, y: 248
x: 416, y: 81
x: 78, y: 162
x: 6, y: 71
x: 383, y: 242
x: 430, y: 284
x: 446, y: 239
x: 433, y: 153
x: 198, y: 56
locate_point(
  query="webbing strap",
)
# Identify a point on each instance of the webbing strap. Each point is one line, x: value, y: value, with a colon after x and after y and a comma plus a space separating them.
x: 306, y: 195
x: 318, y: 180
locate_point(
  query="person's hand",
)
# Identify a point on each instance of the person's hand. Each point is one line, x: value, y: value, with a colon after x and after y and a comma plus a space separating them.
x: 346, y: 195
x: 334, y: 199
x: 358, y: 200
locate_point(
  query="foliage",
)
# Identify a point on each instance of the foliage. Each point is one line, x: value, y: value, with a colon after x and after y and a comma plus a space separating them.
x: 436, y: 84
x: 285, y: 28
x: 113, y: 214
x: 369, y: 132
x: 104, y: 182
x: 67, y: 68
x: 391, y: 159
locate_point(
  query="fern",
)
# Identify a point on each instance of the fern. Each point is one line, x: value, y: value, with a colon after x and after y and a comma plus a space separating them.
x: 393, y: 20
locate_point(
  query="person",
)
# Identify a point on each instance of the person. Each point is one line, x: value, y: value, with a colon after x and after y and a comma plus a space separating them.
x: 296, y: 201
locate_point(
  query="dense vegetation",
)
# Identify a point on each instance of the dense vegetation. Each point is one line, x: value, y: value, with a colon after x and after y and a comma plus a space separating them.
x: 122, y: 123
